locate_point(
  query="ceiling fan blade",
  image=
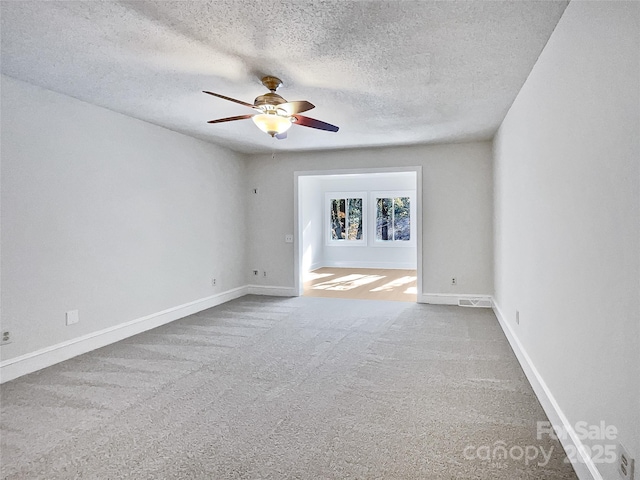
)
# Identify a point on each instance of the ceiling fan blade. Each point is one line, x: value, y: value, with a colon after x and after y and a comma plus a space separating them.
x: 313, y: 123
x: 230, y: 119
x: 298, y: 106
x: 229, y: 98
x: 281, y: 136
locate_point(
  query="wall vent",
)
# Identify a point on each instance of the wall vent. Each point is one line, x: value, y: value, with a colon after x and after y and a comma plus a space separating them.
x: 474, y: 302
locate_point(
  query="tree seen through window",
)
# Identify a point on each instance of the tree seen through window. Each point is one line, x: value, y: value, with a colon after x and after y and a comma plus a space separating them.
x: 393, y: 219
x: 346, y: 219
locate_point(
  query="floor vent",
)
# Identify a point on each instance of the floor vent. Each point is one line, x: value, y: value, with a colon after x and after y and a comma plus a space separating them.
x: 474, y: 302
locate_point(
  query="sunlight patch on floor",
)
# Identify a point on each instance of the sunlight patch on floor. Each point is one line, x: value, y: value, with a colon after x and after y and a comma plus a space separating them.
x: 348, y: 282
x: 398, y: 282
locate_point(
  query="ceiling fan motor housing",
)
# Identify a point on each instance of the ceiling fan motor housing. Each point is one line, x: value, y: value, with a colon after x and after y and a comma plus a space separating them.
x: 269, y: 99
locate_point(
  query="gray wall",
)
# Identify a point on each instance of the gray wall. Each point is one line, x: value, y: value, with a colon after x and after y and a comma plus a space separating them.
x: 108, y: 215
x: 567, y: 217
x: 456, y: 210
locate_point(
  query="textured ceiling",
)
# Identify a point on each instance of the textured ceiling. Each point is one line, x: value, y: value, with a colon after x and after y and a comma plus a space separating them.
x: 386, y: 72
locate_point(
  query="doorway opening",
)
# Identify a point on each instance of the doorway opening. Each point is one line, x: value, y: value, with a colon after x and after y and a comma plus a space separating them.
x: 359, y: 234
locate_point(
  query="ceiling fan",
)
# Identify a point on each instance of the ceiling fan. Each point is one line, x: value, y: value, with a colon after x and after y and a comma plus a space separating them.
x: 275, y: 115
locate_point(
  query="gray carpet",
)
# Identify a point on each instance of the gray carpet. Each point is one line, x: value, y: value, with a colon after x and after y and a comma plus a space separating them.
x: 285, y: 388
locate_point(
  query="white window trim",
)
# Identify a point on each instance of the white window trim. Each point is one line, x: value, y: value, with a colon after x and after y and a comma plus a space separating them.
x: 373, y: 196
x: 330, y: 242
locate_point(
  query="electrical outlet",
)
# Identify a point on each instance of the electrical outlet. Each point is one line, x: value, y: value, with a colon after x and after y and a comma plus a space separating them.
x: 518, y: 317
x: 213, y: 282
x: 288, y: 238
x: 72, y: 317
x: 626, y: 464
x: 264, y: 274
x: 6, y: 337
x: 255, y: 273
x: 454, y: 281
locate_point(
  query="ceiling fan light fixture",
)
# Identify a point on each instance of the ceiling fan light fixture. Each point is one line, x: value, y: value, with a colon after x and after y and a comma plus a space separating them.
x: 272, y: 123
x: 275, y: 115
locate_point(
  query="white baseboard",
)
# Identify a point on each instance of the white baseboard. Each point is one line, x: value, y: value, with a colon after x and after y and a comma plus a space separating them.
x: 272, y: 290
x: 585, y: 468
x: 450, y: 298
x: 368, y: 264
x: 31, y: 362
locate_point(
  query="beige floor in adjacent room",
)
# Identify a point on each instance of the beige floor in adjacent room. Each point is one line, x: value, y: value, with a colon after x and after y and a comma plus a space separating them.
x: 362, y: 284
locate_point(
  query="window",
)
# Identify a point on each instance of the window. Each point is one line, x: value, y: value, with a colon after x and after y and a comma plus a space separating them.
x: 346, y: 218
x: 374, y: 219
x: 393, y: 219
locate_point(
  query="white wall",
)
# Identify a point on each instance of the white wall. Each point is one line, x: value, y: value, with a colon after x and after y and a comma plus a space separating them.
x: 108, y: 215
x: 311, y: 197
x: 456, y: 210
x: 567, y: 217
x: 365, y: 256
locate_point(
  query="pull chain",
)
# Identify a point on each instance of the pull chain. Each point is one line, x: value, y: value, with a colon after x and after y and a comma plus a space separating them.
x: 273, y: 148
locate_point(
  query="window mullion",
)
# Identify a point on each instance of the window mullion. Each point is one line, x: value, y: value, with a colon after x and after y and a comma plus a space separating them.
x: 393, y: 219
x: 347, y: 226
